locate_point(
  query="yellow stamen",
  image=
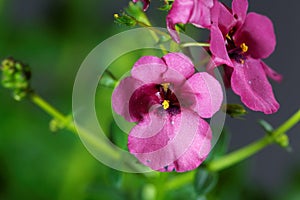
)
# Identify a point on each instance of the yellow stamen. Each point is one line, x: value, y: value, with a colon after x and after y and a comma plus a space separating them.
x: 165, y: 86
x: 116, y: 16
x: 244, y: 47
x: 165, y: 104
x: 228, y: 37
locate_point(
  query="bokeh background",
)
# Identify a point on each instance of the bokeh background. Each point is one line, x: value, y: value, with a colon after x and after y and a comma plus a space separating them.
x: 54, y: 37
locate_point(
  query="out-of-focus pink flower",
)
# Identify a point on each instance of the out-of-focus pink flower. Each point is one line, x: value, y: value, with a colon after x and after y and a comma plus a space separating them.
x: 196, y: 12
x: 145, y: 3
x: 239, y: 41
x: 168, y: 101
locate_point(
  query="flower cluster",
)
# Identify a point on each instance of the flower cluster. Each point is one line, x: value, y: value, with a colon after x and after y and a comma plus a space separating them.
x: 168, y: 100
x: 16, y: 77
x: 238, y: 42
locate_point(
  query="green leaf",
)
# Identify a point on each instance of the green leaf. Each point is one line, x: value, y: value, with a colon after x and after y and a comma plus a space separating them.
x: 205, y: 181
x: 108, y: 80
x: 268, y: 128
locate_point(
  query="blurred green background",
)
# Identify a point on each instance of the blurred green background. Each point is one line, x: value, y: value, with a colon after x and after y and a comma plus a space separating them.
x: 54, y: 37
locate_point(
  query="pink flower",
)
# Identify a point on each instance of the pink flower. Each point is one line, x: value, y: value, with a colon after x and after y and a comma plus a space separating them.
x: 168, y: 101
x: 145, y: 3
x: 196, y: 12
x: 239, y: 41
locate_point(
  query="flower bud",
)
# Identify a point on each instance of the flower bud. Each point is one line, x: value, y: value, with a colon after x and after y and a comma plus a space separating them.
x: 124, y: 19
x: 234, y: 110
x: 16, y: 76
x: 282, y: 140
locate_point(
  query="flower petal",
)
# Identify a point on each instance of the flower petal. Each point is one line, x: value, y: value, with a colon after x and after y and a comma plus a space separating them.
x: 181, y: 145
x: 197, y: 151
x: 179, y: 13
x: 226, y: 20
x: 148, y: 69
x: 227, y: 76
x: 196, y: 12
x: 239, y: 9
x: 180, y: 63
x: 208, y: 91
x: 271, y: 73
x: 258, y: 34
x: 172, y: 68
x: 142, y: 100
x: 201, y: 16
x: 145, y: 3
x: 122, y: 95
x: 217, y: 47
x: 251, y: 84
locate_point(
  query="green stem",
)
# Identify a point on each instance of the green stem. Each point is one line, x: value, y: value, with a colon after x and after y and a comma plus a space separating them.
x: 53, y: 112
x: 288, y: 124
x: 69, y: 124
x: 236, y: 156
x: 194, y: 44
x: 239, y: 155
x: 154, y: 33
x: 249, y: 150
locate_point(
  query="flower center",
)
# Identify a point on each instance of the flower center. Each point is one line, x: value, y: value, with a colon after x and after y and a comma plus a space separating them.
x: 236, y: 52
x: 244, y: 47
x: 165, y: 104
x: 168, y: 99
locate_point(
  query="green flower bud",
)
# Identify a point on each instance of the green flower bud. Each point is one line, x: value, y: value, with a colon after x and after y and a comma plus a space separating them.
x: 234, y: 110
x: 282, y: 140
x: 124, y: 19
x: 16, y: 76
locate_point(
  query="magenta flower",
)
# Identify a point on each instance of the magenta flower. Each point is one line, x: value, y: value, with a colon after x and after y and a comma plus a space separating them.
x: 168, y: 102
x: 239, y: 41
x: 196, y: 12
x: 145, y: 3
